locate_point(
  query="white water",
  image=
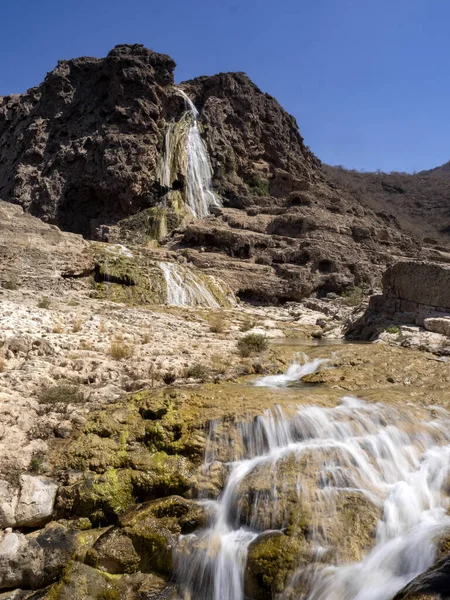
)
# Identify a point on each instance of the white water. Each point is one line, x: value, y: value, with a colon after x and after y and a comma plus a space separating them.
x: 199, y: 194
x: 397, y: 462
x: 299, y: 368
x: 184, y: 288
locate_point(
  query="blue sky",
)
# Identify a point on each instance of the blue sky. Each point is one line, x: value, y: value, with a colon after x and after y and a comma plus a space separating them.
x: 367, y: 80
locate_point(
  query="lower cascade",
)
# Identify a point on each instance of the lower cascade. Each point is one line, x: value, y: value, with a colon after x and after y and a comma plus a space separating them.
x: 185, y: 288
x: 347, y: 502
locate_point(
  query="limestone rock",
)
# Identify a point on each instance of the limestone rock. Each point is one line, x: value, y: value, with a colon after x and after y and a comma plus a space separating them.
x: 438, y: 325
x: 36, y: 501
x: 9, y: 497
x: 21, y: 561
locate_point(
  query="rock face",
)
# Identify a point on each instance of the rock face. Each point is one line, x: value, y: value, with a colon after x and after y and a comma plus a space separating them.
x: 80, y: 149
x: 85, y: 150
x: 413, y: 292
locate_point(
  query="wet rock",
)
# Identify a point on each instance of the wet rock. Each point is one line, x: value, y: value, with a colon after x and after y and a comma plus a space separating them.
x: 434, y: 584
x: 272, y: 558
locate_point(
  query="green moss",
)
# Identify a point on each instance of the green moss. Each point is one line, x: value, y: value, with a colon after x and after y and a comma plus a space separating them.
x: 102, y: 498
x: 271, y: 558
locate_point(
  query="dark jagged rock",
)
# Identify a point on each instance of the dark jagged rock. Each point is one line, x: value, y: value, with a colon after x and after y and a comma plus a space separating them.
x: 82, y: 149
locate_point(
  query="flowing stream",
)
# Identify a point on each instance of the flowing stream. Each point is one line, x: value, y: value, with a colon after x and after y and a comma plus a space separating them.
x: 370, y: 481
x: 185, y: 288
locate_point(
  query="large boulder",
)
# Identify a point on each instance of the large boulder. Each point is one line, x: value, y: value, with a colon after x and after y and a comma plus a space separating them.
x: 28, y: 505
x: 37, y: 559
x: 419, y: 282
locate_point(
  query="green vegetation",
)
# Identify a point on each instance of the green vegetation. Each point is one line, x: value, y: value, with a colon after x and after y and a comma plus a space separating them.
x: 197, y: 371
x: 108, y: 594
x: 247, y: 324
x: 61, y: 393
x: 36, y: 463
x: 253, y: 343
x: 392, y: 329
x: 258, y: 186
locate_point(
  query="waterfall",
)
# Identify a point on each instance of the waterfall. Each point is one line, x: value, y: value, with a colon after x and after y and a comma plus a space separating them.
x: 392, y: 462
x: 185, y: 288
x: 298, y: 369
x: 199, y: 172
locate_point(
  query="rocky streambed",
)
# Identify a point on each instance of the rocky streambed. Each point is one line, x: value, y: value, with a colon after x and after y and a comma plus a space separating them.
x: 227, y: 488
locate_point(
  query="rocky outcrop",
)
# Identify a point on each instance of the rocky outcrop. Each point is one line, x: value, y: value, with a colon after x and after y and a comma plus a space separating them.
x: 85, y: 150
x: 414, y: 292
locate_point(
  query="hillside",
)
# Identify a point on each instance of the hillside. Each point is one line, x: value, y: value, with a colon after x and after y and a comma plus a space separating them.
x: 420, y: 203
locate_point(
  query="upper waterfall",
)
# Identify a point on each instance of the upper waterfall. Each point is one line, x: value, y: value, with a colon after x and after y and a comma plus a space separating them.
x: 199, y: 194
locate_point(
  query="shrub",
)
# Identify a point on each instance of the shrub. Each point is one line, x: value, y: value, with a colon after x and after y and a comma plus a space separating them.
x: 44, y: 302
x: 11, y: 284
x: 217, y: 324
x: 197, y: 371
x: 258, y: 186
x: 247, y: 324
x: 77, y: 325
x: 392, y: 329
x: 61, y: 393
x: 36, y: 463
x: 353, y: 296
x: 119, y: 349
x: 146, y: 337
x: 253, y: 343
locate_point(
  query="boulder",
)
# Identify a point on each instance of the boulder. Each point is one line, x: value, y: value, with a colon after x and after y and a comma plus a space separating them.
x: 21, y: 561
x: 438, y: 325
x: 419, y: 282
x: 434, y: 584
x: 28, y: 505
x: 36, y: 501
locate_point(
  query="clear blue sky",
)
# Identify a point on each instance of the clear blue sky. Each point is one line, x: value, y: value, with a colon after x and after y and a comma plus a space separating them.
x: 367, y: 80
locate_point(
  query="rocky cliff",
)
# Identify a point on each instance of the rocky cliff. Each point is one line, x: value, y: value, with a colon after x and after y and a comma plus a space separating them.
x: 87, y: 150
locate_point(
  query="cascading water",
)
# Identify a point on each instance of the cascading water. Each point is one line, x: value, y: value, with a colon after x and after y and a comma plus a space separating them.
x: 299, y: 368
x: 390, y: 464
x: 199, y: 194
x: 184, y: 288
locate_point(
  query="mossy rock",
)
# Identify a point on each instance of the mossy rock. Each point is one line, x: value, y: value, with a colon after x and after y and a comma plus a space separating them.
x: 122, y: 278
x: 161, y: 475
x: 114, y: 553
x: 102, y: 498
x: 81, y: 582
x: 272, y: 558
x: 154, y: 529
